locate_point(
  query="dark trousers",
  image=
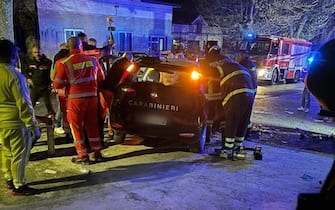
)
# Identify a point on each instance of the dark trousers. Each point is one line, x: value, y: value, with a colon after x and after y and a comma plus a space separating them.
x: 43, y: 93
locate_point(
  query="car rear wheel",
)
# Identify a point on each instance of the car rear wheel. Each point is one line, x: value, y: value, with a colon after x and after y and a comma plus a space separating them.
x: 198, y: 145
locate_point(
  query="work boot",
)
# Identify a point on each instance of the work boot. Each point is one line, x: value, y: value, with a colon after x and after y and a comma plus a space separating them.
x: 239, y: 153
x: 24, y: 190
x: 224, y: 153
x: 98, y: 157
x: 10, y: 184
x: 83, y: 161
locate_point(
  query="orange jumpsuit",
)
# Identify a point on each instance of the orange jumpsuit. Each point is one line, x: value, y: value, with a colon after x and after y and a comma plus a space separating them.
x: 81, y: 75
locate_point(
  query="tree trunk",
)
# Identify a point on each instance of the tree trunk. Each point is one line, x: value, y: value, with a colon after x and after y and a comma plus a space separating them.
x: 6, y: 19
x: 301, y: 27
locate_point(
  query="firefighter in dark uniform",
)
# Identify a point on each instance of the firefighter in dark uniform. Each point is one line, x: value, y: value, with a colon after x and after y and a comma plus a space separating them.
x: 237, y: 92
x: 242, y: 57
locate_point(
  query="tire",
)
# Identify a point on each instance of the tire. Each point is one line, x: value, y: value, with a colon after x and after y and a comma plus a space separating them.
x: 198, y: 145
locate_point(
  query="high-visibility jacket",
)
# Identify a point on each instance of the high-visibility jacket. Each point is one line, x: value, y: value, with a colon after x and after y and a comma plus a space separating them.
x: 61, y: 54
x: 16, y: 108
x: 79, y: 73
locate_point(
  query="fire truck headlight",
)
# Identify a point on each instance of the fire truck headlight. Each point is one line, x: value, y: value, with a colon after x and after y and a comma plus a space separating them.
x: 261, y: 72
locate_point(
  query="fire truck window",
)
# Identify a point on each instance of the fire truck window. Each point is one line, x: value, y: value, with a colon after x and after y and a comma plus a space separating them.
x: 285, y: 49
x: 274, y: 49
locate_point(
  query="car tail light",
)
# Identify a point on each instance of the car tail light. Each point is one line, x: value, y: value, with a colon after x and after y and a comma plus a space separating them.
x: 195, y: 75
x: 130, y: 68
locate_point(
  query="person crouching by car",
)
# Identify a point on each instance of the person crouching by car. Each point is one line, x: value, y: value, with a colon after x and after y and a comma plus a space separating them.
x: 237, y: 91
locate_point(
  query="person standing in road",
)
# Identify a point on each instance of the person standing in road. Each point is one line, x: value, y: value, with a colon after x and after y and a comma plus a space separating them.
x: 36, y: 68
x: 18, y: 125
x: 81, y: 74
x: 305, y: 100
x: 238, y: 93
x: 61, y: 124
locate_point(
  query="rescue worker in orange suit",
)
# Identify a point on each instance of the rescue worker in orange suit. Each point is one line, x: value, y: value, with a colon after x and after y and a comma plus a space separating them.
x: 237, y: 92
x: 242, y: 57
x: 81, y: 75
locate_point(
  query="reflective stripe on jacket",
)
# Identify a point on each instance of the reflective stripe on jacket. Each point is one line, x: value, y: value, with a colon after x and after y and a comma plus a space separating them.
x: 236, y: 79
x: 16, y: 108
x: 80, y: 74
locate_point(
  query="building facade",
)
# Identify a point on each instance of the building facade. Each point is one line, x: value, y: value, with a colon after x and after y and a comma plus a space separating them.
x: 193, y: 34
x: 144, y: 26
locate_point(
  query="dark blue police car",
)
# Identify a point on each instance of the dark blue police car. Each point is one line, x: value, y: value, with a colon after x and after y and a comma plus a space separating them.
x: 163, y: 99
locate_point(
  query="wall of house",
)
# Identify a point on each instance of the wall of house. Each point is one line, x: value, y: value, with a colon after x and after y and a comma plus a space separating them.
x: 131, y: 16
x: 187, y: 32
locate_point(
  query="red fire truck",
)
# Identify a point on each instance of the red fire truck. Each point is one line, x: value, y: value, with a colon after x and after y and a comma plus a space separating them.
x: 280, y: 59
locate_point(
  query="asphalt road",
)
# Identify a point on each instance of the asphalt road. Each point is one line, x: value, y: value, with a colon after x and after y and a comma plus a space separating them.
x: 277, y: 121
x: 146, y: 177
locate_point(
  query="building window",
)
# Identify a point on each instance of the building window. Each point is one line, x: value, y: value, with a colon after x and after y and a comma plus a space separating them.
x: 69, y: 32
x: 158, y: 43
x: 125, y: 41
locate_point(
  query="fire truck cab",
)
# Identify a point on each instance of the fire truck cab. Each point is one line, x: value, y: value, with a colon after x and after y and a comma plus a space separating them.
x: 280, y: 59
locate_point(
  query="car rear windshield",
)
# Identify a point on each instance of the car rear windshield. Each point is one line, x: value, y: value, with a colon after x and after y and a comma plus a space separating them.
x: 159, y: 75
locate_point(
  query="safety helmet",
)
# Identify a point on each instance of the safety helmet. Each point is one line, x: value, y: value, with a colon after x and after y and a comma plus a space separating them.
x: 320, y: 79
x: 214, y: 53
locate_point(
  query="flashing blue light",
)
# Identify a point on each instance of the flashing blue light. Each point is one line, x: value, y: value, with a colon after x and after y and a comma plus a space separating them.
x: 310, y: 60
x: 250, y: 35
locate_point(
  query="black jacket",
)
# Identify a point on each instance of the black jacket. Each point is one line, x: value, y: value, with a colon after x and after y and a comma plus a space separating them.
x: 37, y: 70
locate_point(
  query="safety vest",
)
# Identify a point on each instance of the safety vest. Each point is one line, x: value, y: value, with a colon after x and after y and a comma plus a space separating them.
x: 80, y: 74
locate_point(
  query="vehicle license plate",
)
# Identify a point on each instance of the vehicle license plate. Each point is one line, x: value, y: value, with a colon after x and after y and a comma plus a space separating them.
x: 152, y: 119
